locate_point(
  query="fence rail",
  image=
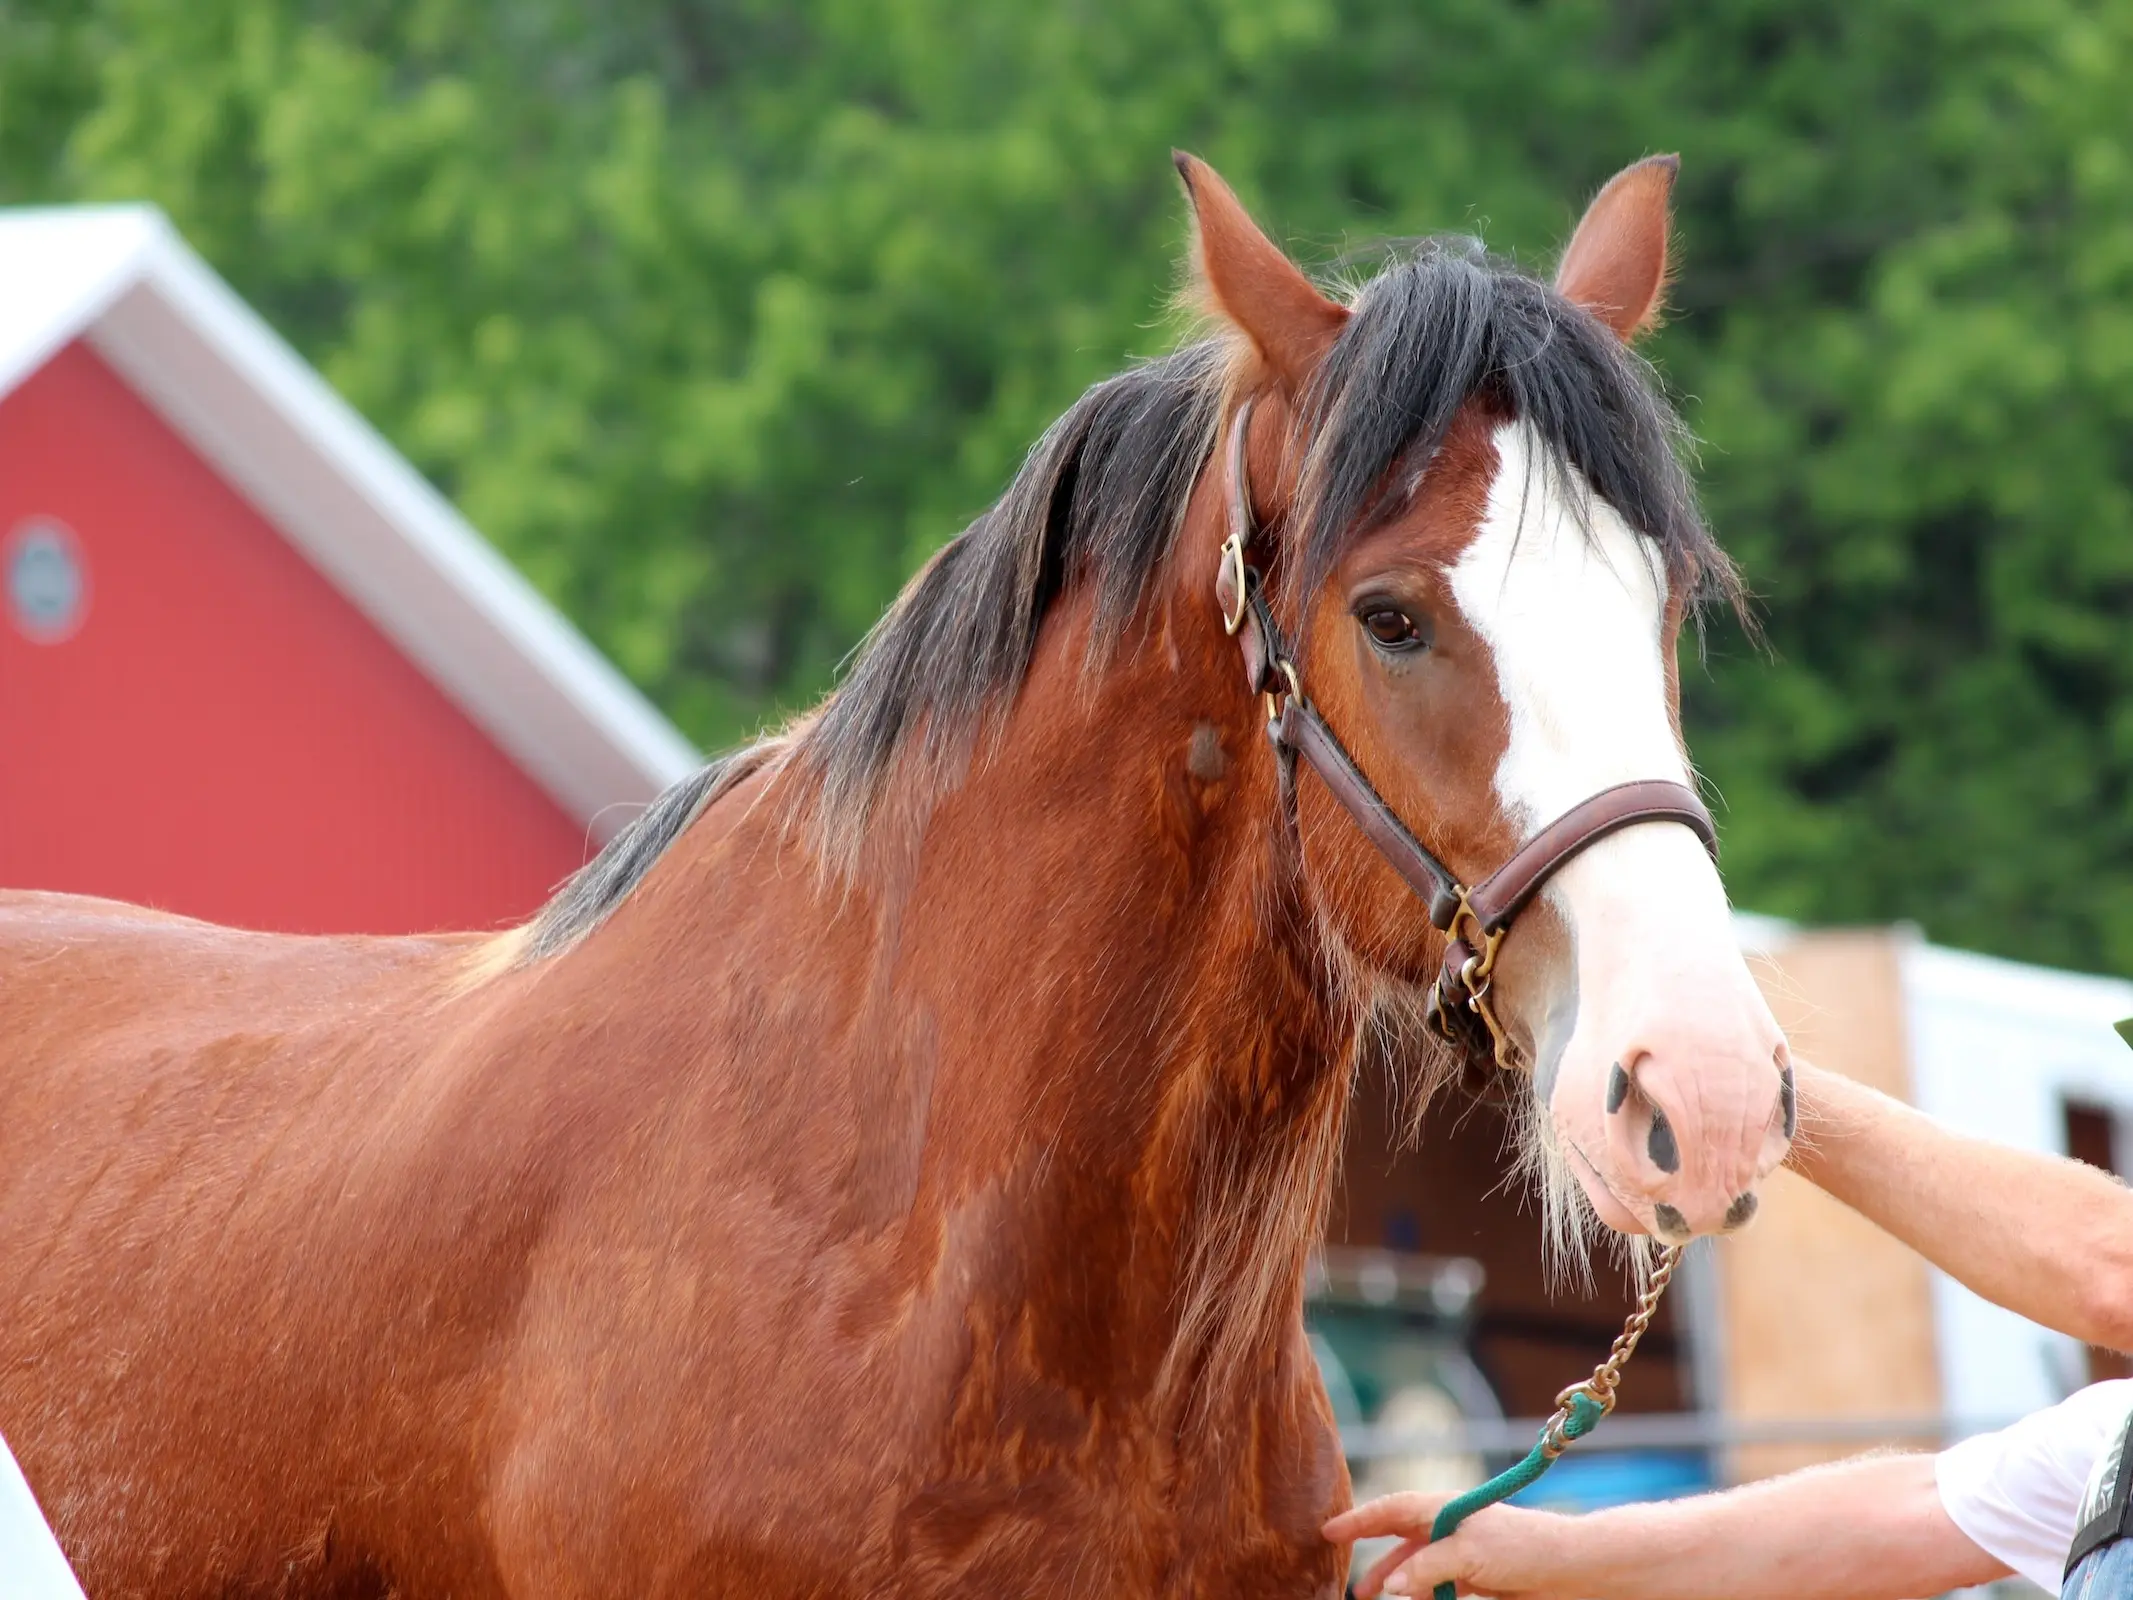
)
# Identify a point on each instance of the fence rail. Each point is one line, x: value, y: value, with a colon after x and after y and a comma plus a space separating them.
x: 1667, y: 1430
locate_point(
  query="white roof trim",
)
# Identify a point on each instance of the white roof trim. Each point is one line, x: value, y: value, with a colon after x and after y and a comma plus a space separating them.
x: 121, y: 277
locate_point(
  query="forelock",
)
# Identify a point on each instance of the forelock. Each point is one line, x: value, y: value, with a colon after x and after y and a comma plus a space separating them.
x: 1446, y: 324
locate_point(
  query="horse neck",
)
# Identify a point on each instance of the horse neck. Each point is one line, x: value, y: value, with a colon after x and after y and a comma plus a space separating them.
x: 1071, y: 1017
x: 1142, y: 1059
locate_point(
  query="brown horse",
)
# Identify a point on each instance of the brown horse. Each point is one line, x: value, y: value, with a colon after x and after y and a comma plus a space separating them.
x: 890, y: 1167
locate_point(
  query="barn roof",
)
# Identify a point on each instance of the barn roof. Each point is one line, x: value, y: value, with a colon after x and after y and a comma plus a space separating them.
x: 121, y: 278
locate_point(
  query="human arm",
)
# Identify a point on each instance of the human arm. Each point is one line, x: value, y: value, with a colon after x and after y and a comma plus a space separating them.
x: 1872, y: 1528
x: 2043, y: 1236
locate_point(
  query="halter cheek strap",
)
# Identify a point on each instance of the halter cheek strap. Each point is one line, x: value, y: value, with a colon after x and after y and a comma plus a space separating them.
x: 1473, y: 920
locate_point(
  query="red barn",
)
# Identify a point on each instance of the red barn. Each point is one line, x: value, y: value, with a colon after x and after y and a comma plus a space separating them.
x: 252, y: 667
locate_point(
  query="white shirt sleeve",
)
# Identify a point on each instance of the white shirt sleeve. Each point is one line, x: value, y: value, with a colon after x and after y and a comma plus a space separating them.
x: 31, y: 1567
x: 2017, y: 1493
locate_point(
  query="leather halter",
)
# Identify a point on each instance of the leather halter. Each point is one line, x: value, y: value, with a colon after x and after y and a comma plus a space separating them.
x: 1473, y: 920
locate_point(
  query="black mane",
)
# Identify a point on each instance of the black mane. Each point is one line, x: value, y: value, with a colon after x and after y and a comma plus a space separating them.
x: 1099, y: 501
x: 1446, y: 323
x: 1101, y: 498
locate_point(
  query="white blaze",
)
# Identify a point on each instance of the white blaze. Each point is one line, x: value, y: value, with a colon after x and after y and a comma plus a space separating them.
x: 1573, y: 613
x: 1572, y: 603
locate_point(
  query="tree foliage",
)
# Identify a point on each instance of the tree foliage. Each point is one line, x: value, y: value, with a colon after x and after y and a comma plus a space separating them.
x: 717, y: 315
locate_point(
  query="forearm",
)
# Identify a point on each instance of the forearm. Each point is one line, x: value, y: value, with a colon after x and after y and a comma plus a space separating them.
x: 1867, y: 1529
x: 2046, y: 1237
x: 1872, y: 1528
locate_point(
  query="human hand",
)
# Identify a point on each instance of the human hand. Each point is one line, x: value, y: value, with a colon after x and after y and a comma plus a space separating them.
x: 1501, y: 1551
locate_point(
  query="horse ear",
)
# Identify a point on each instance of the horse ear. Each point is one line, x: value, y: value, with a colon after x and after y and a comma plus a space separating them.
x: 1616, y: 264
x: 1246, y: 280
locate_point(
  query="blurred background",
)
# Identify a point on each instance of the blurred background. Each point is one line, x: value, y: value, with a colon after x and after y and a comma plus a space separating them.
x: 717, y: 316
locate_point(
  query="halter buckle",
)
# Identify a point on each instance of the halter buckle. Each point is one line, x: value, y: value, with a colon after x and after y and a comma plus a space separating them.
x: 1277, y: 700
x: 1475, y: 972
x: 1234, y: 569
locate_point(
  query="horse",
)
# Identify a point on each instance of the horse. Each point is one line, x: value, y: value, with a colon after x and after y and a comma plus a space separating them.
x: 891, y: 1165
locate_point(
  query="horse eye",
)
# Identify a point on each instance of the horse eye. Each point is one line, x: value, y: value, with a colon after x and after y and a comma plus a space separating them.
x: 1390, y: 628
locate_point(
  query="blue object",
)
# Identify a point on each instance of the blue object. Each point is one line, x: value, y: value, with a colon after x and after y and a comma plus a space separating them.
x: 47, y: 580
x: 1619, y: 1478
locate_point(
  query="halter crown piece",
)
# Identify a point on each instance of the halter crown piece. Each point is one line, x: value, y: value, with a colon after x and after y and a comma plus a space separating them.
x: 1473, y: 920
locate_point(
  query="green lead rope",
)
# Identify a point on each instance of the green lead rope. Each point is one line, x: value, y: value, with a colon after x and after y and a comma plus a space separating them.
x: 1578, y: 1410
x: 1582, y: 1415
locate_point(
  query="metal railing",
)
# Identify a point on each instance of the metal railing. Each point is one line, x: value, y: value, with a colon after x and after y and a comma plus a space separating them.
x: 1664, y: 1430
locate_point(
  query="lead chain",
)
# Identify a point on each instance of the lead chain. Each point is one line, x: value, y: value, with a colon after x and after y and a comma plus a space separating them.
x: 1607, y: 1376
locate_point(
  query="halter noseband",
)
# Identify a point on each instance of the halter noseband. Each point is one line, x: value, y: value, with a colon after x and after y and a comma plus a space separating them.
x: 1473, y: 921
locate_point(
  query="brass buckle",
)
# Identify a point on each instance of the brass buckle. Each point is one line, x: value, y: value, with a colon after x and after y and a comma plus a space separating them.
x: 1233, y: 560
x: 1277, y: 699
x: 1474, y: 975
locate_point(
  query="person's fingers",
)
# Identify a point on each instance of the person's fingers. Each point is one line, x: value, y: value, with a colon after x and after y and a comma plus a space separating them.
x: 1428, y: 1567
x: 1367, y: 1587
x: 1405, y: 1516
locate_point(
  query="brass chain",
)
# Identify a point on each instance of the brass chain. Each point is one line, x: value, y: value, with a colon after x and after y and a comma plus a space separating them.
x: 1607, y: 1376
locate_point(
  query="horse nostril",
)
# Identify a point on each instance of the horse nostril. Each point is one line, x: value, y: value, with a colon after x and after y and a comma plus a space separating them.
x: 1742, y: 1211
x: 1789, y: 1100
x: 1617, y: 1088
x: 1660, y: 1145
x: 1671, y: 1222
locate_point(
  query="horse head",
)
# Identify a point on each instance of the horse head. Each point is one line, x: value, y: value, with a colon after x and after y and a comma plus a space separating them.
x: 1479, y: 547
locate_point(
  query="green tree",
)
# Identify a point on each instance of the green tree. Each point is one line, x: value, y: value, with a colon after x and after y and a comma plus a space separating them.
x: 718, y: 314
